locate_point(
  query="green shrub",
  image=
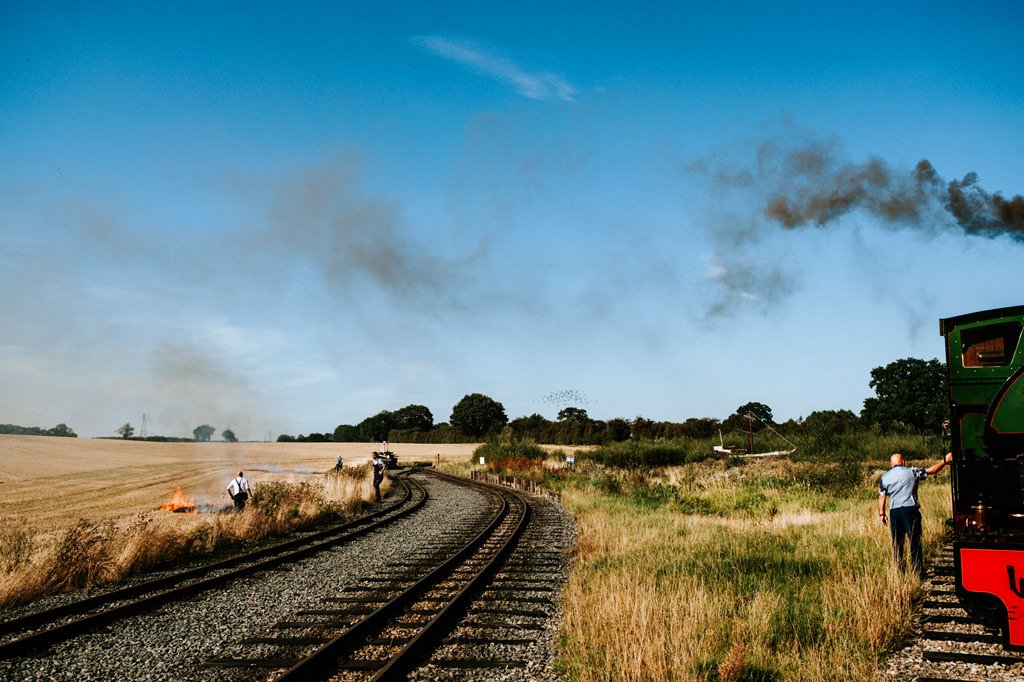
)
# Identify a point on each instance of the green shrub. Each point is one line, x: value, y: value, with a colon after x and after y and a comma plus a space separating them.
x: 633, y: 454
x: 495, y: 451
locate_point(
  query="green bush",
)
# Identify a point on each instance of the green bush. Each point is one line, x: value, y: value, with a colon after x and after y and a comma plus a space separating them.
x: 634, y: 454
x: 867, y: 445
x: 495, y: 451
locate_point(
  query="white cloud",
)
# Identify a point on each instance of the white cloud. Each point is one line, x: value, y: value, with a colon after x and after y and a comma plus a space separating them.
x: 535, y: 85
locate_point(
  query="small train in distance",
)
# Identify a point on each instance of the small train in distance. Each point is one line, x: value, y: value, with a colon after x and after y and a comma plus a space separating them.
x: 985, y: 365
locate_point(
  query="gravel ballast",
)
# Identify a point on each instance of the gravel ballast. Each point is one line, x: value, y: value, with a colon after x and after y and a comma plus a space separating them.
x: 173, y: 642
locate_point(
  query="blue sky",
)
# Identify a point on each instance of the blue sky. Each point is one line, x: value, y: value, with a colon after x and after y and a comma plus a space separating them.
x: 284, y: 219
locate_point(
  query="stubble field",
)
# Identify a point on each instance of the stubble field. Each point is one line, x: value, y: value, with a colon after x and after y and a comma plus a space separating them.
x: 52, y: 482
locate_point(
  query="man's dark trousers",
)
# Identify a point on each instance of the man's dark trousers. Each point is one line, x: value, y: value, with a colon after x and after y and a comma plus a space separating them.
x: 905, y: 522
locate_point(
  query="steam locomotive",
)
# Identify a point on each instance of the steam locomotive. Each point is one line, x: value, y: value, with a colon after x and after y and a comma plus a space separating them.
x: 985, y: 365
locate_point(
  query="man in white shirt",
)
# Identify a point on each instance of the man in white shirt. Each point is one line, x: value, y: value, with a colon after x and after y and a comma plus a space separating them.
x: 379, y: 465
x: 239, y: 491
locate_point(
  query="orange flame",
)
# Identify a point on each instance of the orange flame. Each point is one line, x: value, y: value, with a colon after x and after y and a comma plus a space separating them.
x: 180, y: 503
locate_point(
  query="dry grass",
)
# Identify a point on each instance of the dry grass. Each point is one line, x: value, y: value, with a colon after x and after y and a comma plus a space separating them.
x: 77, y: 513
x: 806, y: 593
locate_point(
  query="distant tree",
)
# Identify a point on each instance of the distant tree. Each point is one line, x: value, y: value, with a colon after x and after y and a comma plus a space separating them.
x: 617, y: 430
x: 739, y: 420
x: 126, y: 430
x: 477, y: 415
x: 909, y: 391
x: 285, y: 438
x: 346, y: 433
x: 229, y: 436
x: 528, y: 425
x: 203, y: 433
x: 574, y: 414
x: 377, y: 427
x: 642, y: 429
x: 700, y: 427
x: 534, y: 427
x: 595, y: 432
x: 415, y: 417
x: 63, y: 430
x: 830, y: 421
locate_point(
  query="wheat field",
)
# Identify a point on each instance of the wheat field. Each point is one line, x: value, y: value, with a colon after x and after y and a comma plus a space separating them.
x: 51, y: 482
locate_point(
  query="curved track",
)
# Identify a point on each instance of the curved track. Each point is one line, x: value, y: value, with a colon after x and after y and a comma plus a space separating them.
x: 464, y: 584
x: 44, y: 628
x: 386, y: 624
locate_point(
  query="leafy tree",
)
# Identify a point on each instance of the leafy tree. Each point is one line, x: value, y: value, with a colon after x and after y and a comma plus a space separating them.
x: 377, y: 427
x: 830, y: 421
x: 203, y: 433
x: 415, y: 417
x: 476, y: 415
x: 126, y: 430
x: 574, y: 414
x: 909, y: 391
x: 617, y: 429
x: 229, y: 436
x: 529, y: 426
x: 699, y: 427
x: 642, y: 429
x: 346, y: 433
x: 63, y: 430
x: 536, y: 428
x: 739, y: 421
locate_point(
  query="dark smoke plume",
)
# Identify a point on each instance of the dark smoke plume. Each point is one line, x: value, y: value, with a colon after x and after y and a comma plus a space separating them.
x: 796, y: 181
x: 322, y: 220
x: 817, y: 188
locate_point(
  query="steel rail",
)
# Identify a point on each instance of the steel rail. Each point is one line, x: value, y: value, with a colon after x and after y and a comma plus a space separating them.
x: 322, y: 663
x: 83, y: 605
x: 235, y: 567
x: 414, y: 650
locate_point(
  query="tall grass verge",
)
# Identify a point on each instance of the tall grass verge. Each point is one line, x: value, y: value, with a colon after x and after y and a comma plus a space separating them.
x: 88, y: 554
x: 718, y: 571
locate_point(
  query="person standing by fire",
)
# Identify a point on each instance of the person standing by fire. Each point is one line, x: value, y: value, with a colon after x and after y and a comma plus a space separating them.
x: 379, y: 465
x: 239, y: 490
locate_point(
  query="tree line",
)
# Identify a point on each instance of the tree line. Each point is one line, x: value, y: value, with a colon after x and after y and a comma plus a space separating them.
x: 910, y: 396
x: 62, y: 430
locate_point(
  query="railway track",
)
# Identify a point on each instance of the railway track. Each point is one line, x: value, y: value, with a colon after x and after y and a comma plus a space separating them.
x: 36, y: 630
x: 459, y: 592
x: 513, y: 613
x: 390, y: 623
x: 950, y: 645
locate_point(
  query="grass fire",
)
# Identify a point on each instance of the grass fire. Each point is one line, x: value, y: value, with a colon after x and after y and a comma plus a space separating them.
x: 101, y: 535
x: 180, y: 503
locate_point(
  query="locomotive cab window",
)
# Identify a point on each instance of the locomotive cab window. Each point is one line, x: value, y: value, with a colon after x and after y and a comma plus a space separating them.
x: 990, y: 346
